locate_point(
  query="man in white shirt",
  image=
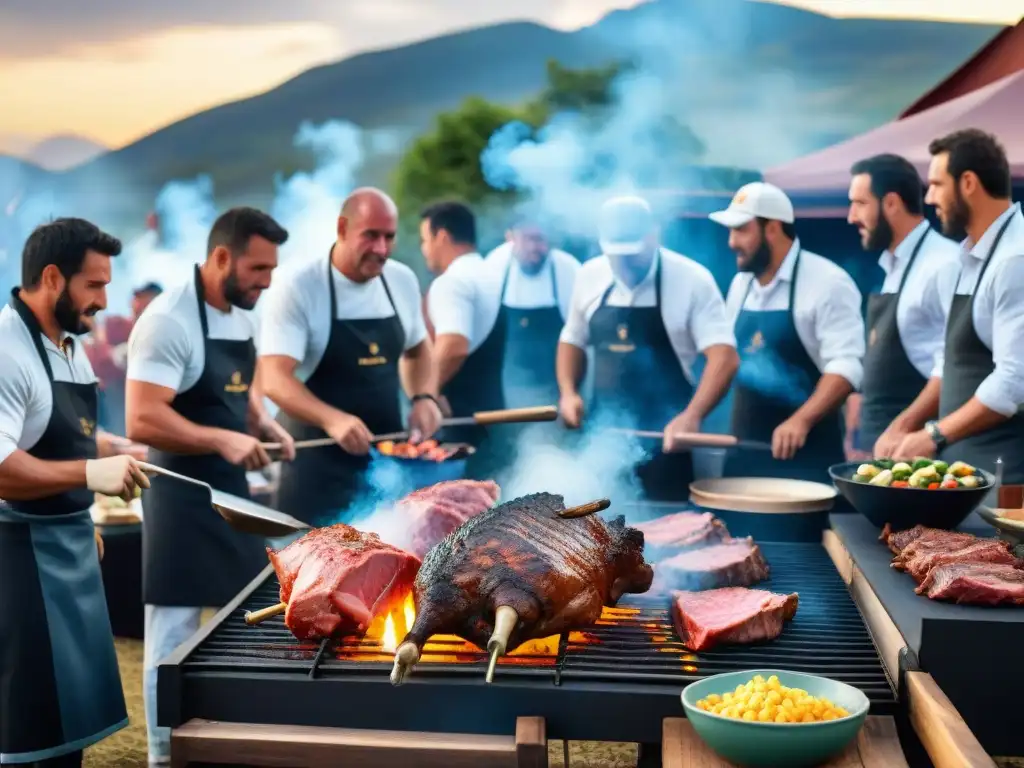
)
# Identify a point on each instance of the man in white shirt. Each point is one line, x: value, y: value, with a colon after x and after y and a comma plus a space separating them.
x: 190, y: 396
x: 801, y: 339
x: 530, y: 284
x: 470, y: 328
x: 61, y: 688
x: 647, y: 312
x: 340, y: 335
x: 980, y: 417
x: 906, y: 321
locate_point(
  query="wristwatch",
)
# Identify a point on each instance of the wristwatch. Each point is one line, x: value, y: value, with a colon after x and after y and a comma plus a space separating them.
x: 424, y: 396
x: 932, y: 428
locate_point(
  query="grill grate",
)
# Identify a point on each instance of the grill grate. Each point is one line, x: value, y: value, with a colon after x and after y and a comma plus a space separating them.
x: 637, y: 646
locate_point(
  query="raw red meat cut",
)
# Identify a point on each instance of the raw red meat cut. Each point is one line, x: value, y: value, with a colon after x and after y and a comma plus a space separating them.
x: 733, y: 563
x: 730, y: 615
x: 977, y: 551
x: 975, y: 583
x: 681, y: 531
x: 436, y: 511
x: 336, y: 579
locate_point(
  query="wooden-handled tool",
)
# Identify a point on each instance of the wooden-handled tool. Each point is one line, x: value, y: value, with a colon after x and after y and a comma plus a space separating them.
x: 481, y: 418
x: 252, y: 618
x: 241, y: 514
x: 700, y: 439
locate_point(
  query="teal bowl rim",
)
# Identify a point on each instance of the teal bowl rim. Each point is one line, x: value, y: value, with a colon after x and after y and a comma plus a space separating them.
x: 860, y: 712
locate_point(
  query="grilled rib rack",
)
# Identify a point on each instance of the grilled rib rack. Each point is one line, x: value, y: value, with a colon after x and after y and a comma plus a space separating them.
x: 615, y: 682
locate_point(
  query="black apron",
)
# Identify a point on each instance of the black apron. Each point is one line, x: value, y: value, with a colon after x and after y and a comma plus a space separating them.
x: 358, y: 374
x: 60, y: 688
x: 477, y: 386
x: 775, y: 378
x: 968, y: 362
x: 891, y: 382
x: 531, y: 345
x: 639, y: 383
x: 190, y: 556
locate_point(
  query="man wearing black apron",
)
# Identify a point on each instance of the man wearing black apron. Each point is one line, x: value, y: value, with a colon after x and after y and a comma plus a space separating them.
x: 60, y: 689
x: 647, y: 312
x: 471, y: 332
x: 333, y: 333
x: 190, y: 397
x: 906, y: 321
x: 980, y: 417
x: 801, y: 339
x: 536, y: 290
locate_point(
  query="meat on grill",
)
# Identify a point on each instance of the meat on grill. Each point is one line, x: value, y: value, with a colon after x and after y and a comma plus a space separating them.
x: 430, y: 514
x: 335, y: 580
x: 681, y: 531
x: 556, y: 573
x: 730, y: 615
x: 732, y: 563
x: 975, y: 583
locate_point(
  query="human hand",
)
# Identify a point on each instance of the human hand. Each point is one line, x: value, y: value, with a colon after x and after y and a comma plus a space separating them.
x: 789, y: 437
x: 677, y: 430
x: 350, y: 433
x: 243, y: 450
x: 115, y: 476
x: 273, y: 432
x: 424, y: 420
x: 915, y: 444
x: 570, y: 406
x: 889, y: 442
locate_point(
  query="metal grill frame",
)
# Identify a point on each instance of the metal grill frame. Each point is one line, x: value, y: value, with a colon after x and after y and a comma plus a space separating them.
x: 617, y: 690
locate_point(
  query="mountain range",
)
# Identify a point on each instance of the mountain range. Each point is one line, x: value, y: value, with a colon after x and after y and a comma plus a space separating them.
x: 759, y: 83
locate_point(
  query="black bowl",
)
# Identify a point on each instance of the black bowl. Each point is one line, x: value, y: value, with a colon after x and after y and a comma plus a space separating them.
x: 904, y: 508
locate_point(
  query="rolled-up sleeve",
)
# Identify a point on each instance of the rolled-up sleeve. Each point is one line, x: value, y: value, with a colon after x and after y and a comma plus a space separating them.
x: 14, y: 396
x: 284, y: 325
x: 839, y: 327
x: 576, y: 330
x: 158, y: 351
x: 450, y: 304
x: 1003, y: 389
x: 709, y: 320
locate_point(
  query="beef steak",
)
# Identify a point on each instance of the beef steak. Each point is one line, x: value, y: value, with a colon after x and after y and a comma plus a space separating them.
x: 732, y: 563
x: 977, y: 551
x: 975, y: 583
x: 730, y: 615
x: 930, y: 541
x: 681, y: 531
x: 336, y: 579
x: 434, y: 512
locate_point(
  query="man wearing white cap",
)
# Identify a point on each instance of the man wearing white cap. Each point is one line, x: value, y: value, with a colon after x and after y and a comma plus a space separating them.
x: 800, y: 336
x: 647, y: 312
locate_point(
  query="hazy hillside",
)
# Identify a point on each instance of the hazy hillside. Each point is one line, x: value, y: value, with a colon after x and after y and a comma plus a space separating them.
x: 65, y: 151
x: 759, y: 83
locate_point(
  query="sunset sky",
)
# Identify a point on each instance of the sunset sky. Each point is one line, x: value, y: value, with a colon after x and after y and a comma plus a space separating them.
x: 114, y: 70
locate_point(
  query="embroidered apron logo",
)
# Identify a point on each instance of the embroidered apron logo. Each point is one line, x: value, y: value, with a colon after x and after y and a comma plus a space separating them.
x: 375, y: 357
x: 87, y: 427
x: 626, y: 346
x: 237, y: 386
x: 756, y: 342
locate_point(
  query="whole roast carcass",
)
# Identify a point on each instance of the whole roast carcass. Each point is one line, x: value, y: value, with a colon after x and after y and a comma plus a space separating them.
x: 520, y: 571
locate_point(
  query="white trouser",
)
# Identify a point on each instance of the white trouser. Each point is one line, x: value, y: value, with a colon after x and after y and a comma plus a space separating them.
x: 167, y: 627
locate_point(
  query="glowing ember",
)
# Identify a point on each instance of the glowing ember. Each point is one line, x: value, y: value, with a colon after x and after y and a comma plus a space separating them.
x: 388, y: 642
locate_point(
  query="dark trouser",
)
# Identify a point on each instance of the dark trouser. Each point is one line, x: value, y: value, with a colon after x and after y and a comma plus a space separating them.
x: 70, y: 760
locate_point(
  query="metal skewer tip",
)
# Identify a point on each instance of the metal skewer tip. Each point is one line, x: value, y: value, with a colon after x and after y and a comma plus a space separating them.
x: 495, y: 653
x: 405, y: 659
x: 505, y: 620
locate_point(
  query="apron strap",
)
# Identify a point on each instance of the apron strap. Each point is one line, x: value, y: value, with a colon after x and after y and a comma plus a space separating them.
x: 913, y: 258
x: 201, y: 297
x: 34, y: 328
x: 792, y: 284
x: 988, y: 257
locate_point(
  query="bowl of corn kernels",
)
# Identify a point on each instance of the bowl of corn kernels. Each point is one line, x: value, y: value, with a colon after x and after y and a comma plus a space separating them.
x: 770, y: 717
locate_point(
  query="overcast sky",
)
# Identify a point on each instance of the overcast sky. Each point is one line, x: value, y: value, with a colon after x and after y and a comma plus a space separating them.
x: 114, y: 70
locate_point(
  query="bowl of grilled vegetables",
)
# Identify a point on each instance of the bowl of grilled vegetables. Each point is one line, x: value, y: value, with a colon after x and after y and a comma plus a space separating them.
x: 775, y: 718
x: 903, y: 494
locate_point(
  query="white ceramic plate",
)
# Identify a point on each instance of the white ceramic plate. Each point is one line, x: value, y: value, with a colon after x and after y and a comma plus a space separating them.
x: 765, y: 495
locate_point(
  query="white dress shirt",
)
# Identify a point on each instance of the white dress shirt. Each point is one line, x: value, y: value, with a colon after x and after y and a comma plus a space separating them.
x: 166, y: 346
x: 691, y: 304
x: 924, y: 305
x: 26, y: 399
x: 466, y: 299
x: 998, y: 304
x: 294, y: 313
x: 827, y: 314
